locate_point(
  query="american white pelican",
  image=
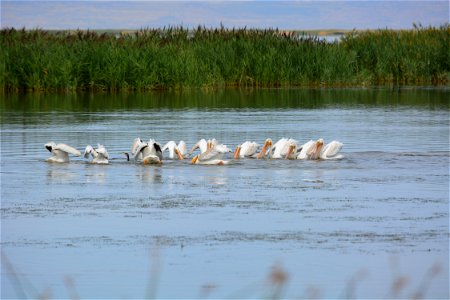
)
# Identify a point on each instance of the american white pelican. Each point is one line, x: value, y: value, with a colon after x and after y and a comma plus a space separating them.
x: 331, y: 150
x: 99, y: 155
x: 265, y: 150
x: 315, y: 149
x: 149, y: 153
x: 212, y: 156
x: 304, y: 149
x: 201, y: 144
x: 174, y: 151
x: 246, y: 149
x: 281, y: 148
x: 60, y: 152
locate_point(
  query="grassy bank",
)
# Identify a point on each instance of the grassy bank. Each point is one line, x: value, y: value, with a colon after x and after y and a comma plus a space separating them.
x: 181, y: 58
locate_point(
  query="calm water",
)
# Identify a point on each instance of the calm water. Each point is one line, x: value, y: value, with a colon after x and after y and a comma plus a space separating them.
x: 334, y: 229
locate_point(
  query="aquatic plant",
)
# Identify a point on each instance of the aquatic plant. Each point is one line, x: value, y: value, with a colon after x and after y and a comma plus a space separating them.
x: 176, y: 57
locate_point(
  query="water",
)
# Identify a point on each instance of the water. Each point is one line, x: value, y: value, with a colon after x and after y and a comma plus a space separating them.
x: 339, y: 228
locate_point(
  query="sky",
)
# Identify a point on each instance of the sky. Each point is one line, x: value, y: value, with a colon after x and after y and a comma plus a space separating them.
x: 299, y: 14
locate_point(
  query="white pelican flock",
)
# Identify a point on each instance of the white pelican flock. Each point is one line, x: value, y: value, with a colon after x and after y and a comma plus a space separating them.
x: 211, y: 152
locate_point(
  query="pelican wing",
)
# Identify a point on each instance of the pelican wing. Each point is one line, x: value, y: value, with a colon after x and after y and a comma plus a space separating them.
x: 281, y: 148
x: 157, y: 148
x: 331, y: 149
x: 102, y: 151
x: 139, y: 149
x: 304, y: 149
x: 136, y: 144
x: 221, y: 148
x: 211, y: 154
x: 248, y: 148
x: 168, y: 145
x: 67, y: 149
x: 280, y: 143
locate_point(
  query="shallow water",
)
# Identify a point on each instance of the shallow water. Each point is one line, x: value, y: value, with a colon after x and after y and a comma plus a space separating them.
x: 335, y: 228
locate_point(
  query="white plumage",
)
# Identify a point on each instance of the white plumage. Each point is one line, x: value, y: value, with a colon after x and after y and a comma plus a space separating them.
x: 212, y: 156
x: 60, y: 152
x: 281, y: 148
x: 174, y: 149
x: 99, y: 155
x: 246, y: 149
x: 331, y: 150
x: 148, y: 153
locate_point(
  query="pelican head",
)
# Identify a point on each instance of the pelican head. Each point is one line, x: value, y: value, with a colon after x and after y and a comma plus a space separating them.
x: 292, y: 150
x: 314, y: 152
x: 127, y: 155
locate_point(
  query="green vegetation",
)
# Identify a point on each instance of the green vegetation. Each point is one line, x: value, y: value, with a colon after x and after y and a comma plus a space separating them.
x: 175, y: 57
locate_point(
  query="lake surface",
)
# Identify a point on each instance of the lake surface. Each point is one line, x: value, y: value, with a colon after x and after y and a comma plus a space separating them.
x: 374, y: 224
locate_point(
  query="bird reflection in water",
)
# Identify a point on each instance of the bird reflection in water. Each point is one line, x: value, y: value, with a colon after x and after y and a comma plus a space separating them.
x: 150, y: 175
x: 60, y: 175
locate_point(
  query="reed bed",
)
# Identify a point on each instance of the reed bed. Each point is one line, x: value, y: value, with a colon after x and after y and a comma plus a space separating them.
x: 176, y: 58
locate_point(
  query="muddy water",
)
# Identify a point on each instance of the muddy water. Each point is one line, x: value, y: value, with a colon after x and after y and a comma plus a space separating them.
x: 336, y: 228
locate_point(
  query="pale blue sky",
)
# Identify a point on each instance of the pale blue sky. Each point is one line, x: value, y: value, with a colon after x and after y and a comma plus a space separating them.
x: 254, y: 14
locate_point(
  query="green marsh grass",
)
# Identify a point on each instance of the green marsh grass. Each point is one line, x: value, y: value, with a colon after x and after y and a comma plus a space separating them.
x: 177, y: 58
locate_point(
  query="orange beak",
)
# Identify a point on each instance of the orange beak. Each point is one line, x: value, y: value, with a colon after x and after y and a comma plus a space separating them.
x: 194, y: 160
x: 262, y: 153
x: 236, y: 152
x: 178, y: 153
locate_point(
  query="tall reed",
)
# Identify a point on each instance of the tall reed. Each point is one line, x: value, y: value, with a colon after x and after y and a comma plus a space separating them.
x: 175, y: 57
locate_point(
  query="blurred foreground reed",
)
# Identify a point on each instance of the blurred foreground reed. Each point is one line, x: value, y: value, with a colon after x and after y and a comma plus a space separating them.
x: 272, y: 286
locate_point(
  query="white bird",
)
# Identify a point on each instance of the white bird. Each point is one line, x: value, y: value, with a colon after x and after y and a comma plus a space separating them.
x: 281, y: 148
x: 212, y: 156
x: 60, y: 152
x: 246, y: 149
x: 331, y: 150
x: 99, y: 155
x: 149, y: 153
x: 304, y: 149
x: 265, y: 150
x: 174, y: 151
